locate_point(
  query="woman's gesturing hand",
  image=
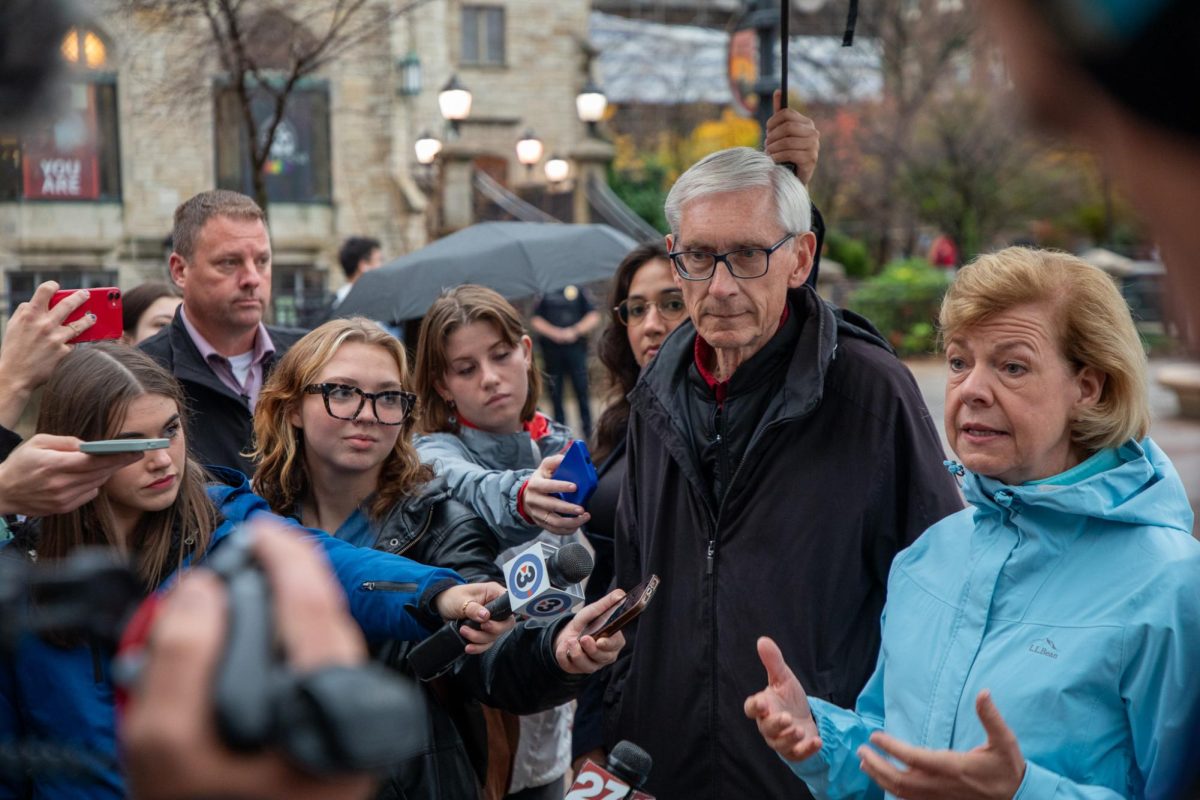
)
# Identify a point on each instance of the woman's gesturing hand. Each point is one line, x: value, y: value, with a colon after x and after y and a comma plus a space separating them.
x: 781, y: 710
x: 992, y: 771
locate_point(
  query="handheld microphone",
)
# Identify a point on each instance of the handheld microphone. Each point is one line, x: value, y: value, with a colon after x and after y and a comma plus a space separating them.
x: 622, y: 776
x: 543, y: 582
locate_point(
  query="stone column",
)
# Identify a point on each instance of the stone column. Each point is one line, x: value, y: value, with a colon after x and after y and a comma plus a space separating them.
x: 592, y: 157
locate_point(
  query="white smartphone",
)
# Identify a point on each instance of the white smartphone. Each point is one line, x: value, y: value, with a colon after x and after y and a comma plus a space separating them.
x: 123, y: 446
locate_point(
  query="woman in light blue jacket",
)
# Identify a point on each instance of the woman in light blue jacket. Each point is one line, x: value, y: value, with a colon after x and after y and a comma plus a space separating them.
x: 1042, y: 643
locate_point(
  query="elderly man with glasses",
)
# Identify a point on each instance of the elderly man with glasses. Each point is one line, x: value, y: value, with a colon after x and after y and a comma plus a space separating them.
x: 779, y: 457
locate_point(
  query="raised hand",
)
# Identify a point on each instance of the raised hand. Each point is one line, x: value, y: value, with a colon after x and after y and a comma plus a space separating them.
x: 48, y: 475
x: 992, y: 771
x: 781, y: 710
x: 793, y: 137
x: 35, y: 340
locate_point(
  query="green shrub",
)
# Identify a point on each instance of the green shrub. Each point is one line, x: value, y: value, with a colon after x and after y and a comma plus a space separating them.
x: 850, y: 253
x: 903, y: 301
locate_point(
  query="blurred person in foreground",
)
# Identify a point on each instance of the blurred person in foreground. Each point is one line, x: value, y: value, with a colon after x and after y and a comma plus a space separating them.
x: 778, y: 457
x: 168, y: 738
x: 1042, y: 642
x: 1120, y: 78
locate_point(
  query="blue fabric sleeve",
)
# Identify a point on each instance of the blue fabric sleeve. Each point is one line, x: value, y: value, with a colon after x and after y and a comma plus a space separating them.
x: 833, y: 772
x: 1158, y: 682
x: 1040, y: 783
x: 490, y: 493
x: 383, y: 590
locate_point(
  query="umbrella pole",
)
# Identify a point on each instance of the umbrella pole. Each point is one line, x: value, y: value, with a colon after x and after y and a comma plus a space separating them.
x: 784, y: 20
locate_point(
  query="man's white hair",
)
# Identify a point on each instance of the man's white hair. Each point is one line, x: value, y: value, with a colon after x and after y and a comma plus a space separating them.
x: 734, y: 170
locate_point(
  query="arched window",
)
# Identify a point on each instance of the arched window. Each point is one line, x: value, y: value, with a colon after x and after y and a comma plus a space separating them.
x: 83, y: 48
x: 74, y: 156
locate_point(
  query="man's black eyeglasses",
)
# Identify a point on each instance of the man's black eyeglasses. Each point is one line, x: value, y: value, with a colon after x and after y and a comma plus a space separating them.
x: 347, y: 402
x: 745, y: 262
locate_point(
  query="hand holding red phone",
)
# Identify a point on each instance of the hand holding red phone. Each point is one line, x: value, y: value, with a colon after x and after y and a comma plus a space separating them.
x: 36, y: 339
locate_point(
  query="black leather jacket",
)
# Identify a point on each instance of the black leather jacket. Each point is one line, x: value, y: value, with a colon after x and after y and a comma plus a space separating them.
x: 517, y: 674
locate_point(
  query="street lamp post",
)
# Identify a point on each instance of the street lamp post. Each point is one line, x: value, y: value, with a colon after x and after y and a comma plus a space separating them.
x: 590, y: 105
x: 454, y: 101
x: 529, y: 150
x: 557, y: 169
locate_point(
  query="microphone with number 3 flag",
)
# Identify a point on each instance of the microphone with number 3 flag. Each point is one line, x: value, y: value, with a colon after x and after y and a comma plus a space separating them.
x: 543, y: 583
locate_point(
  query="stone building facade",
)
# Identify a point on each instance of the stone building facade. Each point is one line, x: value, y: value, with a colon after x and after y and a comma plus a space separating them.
x: 87, y: 197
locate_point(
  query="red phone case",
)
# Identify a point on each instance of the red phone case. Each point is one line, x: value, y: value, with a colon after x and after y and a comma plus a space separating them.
x: 105, y: 303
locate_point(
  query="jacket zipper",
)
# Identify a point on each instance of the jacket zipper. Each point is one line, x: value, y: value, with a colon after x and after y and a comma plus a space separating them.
x: 420, y: 533
x: 709, y: 571
x: 388, y: 586
x: 97, y: 665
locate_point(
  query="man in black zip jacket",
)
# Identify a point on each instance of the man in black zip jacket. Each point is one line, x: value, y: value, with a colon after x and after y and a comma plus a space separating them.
x: 217, y: 346
x: 779, y: 457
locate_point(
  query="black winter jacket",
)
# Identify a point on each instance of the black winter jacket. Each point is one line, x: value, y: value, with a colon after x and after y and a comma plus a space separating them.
x: 220, y: 424
x: 842, y: 471
x: 518, y: 674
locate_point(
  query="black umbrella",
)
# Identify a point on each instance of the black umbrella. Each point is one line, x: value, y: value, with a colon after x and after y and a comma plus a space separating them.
x: 517, y: 259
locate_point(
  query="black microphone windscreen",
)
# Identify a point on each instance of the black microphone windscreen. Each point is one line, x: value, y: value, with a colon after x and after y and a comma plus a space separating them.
x: 630, y: 762
x: 570, y: 564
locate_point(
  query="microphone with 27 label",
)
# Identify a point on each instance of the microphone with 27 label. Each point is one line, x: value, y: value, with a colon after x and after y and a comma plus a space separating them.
x: 542, y: 583
x: 621, y: 777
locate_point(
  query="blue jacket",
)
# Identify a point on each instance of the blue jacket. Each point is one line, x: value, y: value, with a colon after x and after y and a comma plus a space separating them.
x: 485, y: 472
x: 1077, y: 606
x: 65, y: 695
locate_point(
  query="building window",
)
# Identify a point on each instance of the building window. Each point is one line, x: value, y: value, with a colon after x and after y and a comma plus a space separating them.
x: 298, y: 297
x: 22, y: 283
x: 74, y: 156
x: 483, y: 36
x: 298, y: 166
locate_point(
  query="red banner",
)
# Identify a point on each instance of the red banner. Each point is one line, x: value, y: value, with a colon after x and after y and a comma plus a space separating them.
x: 62, y: 162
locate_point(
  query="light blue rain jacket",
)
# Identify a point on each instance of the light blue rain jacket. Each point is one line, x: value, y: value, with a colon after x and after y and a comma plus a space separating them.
x: 1077, y: 606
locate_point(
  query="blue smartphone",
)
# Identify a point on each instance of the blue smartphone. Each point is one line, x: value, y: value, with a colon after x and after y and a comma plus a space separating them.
x: 577, y: 468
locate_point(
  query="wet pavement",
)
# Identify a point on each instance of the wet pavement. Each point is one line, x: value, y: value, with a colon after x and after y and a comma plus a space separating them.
x: 1177, y: 436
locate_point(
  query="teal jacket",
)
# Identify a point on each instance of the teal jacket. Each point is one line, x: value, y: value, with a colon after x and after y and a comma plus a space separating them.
x: 1078, y: 606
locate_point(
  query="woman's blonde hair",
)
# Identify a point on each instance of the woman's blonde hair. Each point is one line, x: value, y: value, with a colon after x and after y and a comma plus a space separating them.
x: 1094, y: 327
x: 282, y: 477
x: 456, y: 308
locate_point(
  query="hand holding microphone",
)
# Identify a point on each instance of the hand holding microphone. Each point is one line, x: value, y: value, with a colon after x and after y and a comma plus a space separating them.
x: 622, y: 776
x: 543, y: 583
x: 467, y: 602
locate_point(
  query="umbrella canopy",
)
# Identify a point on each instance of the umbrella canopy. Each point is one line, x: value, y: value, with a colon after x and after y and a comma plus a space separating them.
x: 517, y: 259
x: 1114, y: 264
